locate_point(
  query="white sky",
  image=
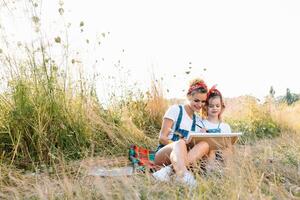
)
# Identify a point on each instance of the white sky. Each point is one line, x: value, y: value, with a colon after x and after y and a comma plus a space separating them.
x: 246, y: 46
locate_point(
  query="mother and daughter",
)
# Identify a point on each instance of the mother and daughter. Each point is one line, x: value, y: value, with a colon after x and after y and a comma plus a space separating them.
x: 173, y: 151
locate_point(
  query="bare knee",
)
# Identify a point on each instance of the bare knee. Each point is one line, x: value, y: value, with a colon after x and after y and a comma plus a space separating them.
x: 162, y: 157
x: 204, y: 146
x: 179, y: 148
x: 198, y: 151
x: 181, y: 144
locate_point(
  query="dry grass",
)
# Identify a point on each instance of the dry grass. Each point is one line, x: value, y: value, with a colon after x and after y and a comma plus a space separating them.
x: 287, y: 116
x: 266, y: 170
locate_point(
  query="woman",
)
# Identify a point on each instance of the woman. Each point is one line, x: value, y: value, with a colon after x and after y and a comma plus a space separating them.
x: 177, y: 122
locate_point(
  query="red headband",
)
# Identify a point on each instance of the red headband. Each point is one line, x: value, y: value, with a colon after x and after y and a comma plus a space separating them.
x: 213, y: 90
x: 198, y: 85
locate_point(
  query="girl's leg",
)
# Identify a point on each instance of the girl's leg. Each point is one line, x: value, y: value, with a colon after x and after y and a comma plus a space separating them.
x: 197, y: 152
x: 162, y: 157
x: 227, y: 153
x: 211, y: 156
x: 211, y: 163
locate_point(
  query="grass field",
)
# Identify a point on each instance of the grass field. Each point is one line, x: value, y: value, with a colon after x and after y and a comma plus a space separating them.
x: 53, y: 128
x: 47, y: 136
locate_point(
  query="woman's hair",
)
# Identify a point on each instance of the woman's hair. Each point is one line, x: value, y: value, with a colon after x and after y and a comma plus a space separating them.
x: 213, y: 93
x: 197, y: 85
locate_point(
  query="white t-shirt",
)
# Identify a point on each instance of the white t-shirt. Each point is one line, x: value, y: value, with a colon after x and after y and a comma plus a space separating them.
x: 225, y: 128
x: 186, y: 122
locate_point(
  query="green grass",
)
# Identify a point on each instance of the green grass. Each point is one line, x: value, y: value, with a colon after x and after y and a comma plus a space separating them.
x: 40, y: 121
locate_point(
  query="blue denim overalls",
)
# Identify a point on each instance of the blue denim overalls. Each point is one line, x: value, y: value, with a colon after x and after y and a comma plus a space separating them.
x: 218, y: 153
x: 178, y: 132
x: 213, y: 130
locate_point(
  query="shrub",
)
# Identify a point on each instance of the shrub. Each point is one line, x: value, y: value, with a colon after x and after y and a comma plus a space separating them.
x: 256, y: 121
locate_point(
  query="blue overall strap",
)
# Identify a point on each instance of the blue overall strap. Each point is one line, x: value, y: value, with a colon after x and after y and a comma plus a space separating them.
x: 178, y: 122
x: 176, y: 137
x: 219, y: 129
x: 177, y: 129
x: 215, y: 130
x: 182, y: 132
x: 194, y: 123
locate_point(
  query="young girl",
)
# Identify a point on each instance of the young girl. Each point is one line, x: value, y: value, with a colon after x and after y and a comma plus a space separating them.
x: 213, y: 124
x: 177, y: 122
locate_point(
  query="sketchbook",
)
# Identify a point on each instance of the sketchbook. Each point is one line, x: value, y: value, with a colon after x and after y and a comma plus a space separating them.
x: 215, y: 140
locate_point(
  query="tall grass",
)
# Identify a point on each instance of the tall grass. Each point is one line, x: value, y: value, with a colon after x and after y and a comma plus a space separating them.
x: 287, y: 116
x: 147, y: 110
x: 49, y: 106
x: 45, y: 115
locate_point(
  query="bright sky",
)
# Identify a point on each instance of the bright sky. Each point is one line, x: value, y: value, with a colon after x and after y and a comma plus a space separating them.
x: 246, y: 46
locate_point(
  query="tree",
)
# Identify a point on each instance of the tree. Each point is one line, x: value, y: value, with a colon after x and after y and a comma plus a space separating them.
x: 290, y: 98
x: 272, y: 92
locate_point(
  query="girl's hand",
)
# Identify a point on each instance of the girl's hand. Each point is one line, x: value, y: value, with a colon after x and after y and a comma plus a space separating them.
x: 203, y: 130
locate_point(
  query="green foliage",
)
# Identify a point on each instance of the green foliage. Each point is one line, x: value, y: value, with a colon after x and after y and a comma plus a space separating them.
x: 272, y: 92
x: 289, y: 98
x: 42, y: 122
x: 50, y: 111
x: 257, y: 124
x: 38, y: 122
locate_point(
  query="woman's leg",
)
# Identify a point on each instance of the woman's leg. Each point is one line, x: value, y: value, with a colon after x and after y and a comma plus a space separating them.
x: 176, y: 153
x: 179, y: 157
x: 162, y: 157
x: 197, y: 152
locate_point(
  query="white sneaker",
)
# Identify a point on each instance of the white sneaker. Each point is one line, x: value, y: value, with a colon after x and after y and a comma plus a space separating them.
x: 188, y: 179
x: 163, y: 174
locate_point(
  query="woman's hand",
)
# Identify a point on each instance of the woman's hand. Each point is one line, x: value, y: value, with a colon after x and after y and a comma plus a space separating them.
x: 186, y: 141
x: 166, y: 128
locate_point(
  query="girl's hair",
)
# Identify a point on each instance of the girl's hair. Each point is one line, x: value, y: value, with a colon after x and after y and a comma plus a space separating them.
x: 213, y: 93
x: 197, y: 85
